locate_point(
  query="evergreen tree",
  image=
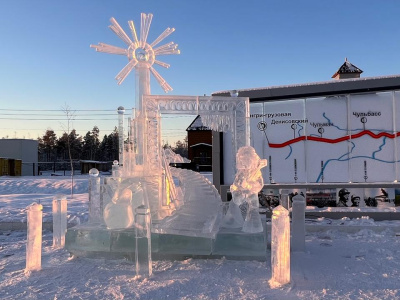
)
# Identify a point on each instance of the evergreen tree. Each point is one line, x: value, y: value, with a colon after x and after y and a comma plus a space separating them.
x: 75, y: 142
x: 47, y: 145
x: 62, y: 147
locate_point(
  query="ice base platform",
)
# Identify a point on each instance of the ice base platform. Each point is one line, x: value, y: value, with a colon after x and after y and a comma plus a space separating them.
x: 97, y: 241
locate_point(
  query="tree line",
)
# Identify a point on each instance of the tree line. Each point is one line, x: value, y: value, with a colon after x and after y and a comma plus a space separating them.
x: 89, y: 147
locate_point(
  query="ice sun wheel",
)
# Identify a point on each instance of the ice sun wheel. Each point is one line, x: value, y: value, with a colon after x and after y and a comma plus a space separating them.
x: 140, y: 53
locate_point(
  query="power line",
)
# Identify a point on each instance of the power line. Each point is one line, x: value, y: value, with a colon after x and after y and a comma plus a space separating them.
x: 72, y: 110
x: 25, y: 114
x: 27, y: 119
x: 41, y: 129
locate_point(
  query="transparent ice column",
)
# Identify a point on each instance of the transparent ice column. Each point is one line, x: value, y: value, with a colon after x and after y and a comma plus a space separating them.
x: 143, y: 242
x: 284, y: 194
x: 59, y: 220
x: 95, y: 205
x: 34, y: 237
x: 121, y: 111
x: 115, y: 172
x: 280, y: 247
x: 298, y: 223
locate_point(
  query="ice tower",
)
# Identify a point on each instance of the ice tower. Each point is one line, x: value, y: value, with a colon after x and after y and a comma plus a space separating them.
x: 141, y: 58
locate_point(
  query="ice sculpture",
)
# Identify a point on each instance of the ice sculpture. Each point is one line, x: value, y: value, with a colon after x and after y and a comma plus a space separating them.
x: 143, y: 258
x: 280, y: 247
x: 121, y: 111
x: 59, y: 220
x: 95, y: 205
x: 298, y: 223
x: 173, y: 157
x: 122, y: 197
x: 185, y: 208
x: 118, y: 213
x: 34, y: 237
x: 142, y: 56
x: 115, y: 172
x: 248, y: 182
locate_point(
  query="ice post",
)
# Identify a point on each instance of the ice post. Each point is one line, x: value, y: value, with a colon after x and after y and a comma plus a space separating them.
x: 115, y: 169
x: 34, y: 237
x: 59, y: 220
x: 298, y: 223
x: 285, y: 199
x: 280, y: 247
x: 143, y: 242
x: 121, y: 111
x: 95, y: 209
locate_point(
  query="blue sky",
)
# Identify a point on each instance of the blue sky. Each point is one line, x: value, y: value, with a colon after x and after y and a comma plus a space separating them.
x: 46, y: 62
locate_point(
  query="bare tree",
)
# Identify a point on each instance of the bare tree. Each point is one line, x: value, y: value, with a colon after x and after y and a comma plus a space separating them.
x: 70, y: 115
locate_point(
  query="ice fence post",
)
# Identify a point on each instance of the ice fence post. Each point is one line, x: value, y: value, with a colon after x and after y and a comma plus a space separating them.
x: 143, y: 258
x: 34, y: 237
x: 298, y: 223
x: 280, y: 247
x: 95, y: 205
x: 59, y: 220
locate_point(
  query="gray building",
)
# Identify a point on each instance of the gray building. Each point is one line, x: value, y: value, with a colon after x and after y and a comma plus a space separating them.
x: 371, y: 94
x: 23, y: 149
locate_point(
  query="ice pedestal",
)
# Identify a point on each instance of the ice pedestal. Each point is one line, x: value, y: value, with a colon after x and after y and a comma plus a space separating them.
x: 87, y: 240
x: 34, y: 237
x: 236, y: 244
x: 59, y: 220
x: 280, y: 247
x: 298, y: 224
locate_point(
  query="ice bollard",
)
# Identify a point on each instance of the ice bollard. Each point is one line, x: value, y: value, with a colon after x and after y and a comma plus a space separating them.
x: 95, y: 205
x: 285, y: 198
x: 115, y: 169
x: 34, y: 237
x: 143, y: 242
x: 298, y: 224
x: 280, y: 247
x: 59, y: 220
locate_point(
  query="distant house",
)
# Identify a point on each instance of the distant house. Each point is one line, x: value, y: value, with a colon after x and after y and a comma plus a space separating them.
x: 102, y: 166
x: 200, y: 144
x: 21, y: 156
x: 347, y: 71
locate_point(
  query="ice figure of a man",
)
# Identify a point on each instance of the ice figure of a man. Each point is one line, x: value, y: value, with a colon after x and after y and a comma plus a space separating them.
x: 245, y: 188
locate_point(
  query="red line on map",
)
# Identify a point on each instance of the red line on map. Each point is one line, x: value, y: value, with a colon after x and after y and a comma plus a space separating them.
x: 338, y: 140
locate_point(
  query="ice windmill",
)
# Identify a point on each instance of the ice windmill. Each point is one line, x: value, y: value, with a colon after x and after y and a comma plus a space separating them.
x: 141, y: 55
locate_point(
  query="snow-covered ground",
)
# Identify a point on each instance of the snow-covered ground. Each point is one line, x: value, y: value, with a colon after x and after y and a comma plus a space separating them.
x: 364, y: 264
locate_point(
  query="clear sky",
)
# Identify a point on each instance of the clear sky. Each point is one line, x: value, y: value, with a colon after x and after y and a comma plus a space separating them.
x: 46, y: 62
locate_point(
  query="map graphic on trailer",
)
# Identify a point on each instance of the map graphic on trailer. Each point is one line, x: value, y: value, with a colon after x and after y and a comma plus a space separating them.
x: 349, y: 138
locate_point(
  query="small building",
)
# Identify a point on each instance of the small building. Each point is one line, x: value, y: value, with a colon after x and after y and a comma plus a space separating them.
x: 102, y: 166
x: 21, y: 156
x: 347, y: 71
x: 10, y: 167
x: 200, y: 144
